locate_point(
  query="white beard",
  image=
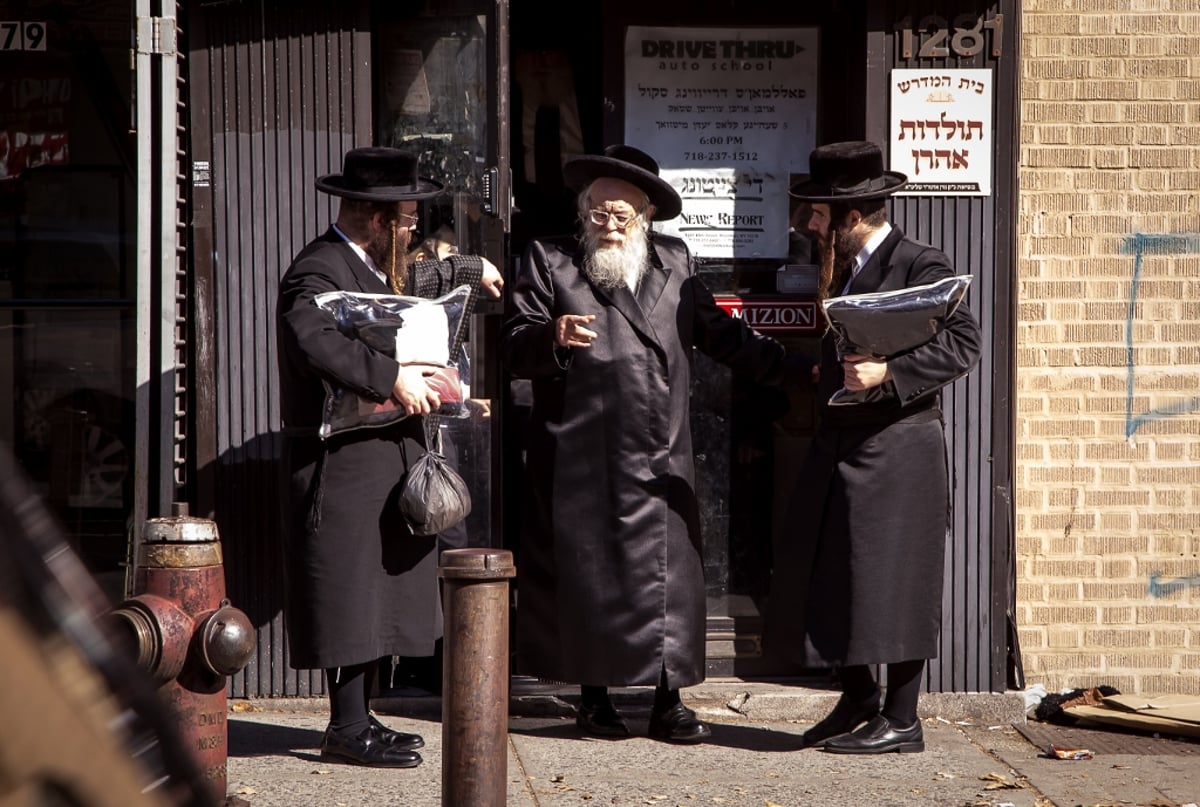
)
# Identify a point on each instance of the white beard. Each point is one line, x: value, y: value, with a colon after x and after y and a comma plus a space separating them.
x: 611, y: 266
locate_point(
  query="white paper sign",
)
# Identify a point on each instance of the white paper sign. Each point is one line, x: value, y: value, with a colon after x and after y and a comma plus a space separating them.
x: 941, y: 131
x: 728, y: 113
x: 728, y: 212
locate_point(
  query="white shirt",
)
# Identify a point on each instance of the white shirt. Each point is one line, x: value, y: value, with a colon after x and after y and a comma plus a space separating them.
x: 867, y: 251
x: 360, y: 252
x: 633, y: 276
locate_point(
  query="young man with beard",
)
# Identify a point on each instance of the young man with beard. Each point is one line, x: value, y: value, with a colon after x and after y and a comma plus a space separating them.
x: 860, y: 580
x: 359, y: 586
x: 610, y: 580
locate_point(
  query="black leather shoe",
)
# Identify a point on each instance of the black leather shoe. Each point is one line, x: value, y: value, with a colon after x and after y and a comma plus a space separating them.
x: 396, y: 739
x: 879, y: 736
x: 366, y: 748
x: 601, y: 721
x: 845, y: 717
x: 678, y: 725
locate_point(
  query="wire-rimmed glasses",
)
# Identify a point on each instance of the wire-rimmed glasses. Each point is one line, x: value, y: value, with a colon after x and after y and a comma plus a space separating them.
x: 601, y: 217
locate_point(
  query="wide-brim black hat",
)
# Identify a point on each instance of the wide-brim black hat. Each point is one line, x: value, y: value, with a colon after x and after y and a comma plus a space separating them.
x: 846, y: 172
x: 631, y: 165
x: 379, y: 174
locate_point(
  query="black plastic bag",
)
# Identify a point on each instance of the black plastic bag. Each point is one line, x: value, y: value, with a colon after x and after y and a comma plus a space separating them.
x: 434, y: 497
x: 887, y: 323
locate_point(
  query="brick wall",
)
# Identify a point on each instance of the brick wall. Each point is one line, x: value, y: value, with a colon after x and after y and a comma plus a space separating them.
x: 1108, y: 349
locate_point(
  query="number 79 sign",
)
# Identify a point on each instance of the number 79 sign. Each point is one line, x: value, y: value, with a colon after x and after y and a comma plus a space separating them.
x: 17, y: 35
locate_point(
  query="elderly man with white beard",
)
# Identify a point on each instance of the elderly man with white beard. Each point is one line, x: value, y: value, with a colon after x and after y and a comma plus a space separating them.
x: 610, y: 579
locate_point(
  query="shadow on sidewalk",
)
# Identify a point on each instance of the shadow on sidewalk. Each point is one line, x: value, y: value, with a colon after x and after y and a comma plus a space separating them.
x: 749, y: 738
x: 258, y: 739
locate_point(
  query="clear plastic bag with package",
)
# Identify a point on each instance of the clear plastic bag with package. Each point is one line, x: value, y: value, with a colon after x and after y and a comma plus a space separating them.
x: 887, y: 323
x: 412, y: 330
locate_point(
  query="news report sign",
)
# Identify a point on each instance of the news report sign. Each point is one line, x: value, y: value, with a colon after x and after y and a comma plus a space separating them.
x: 772, y: 315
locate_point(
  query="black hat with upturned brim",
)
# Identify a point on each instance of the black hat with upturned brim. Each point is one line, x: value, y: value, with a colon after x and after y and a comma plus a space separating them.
x: 631, y: 165
x: 847, y: 172
x: 379, y: 174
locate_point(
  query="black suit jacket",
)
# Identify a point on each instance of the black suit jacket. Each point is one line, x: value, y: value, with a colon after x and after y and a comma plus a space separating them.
x: 918, y: 375
x: 359, y: 585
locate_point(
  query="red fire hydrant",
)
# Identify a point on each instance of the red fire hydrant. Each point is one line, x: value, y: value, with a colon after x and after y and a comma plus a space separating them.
x: 185, y: 633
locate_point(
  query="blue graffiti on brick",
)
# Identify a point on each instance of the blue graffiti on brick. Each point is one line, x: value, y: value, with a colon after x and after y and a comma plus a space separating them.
x: 1160, y: 589
x: 1152, y: 244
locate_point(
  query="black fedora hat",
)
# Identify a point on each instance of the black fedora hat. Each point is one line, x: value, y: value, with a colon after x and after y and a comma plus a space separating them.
x: 631, y: 165
x: 846, y: 172
x: 379, y: 174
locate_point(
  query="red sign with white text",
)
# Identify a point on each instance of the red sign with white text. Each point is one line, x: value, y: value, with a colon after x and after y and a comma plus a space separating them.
x: 777, y: 315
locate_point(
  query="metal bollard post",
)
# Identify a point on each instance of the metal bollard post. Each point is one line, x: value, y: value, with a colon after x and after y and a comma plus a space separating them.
x: 475, y: 677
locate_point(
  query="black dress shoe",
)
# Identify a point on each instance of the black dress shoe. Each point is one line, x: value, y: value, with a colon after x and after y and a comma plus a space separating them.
x: 879, y: 736
x: 601, y: 721
x: 396, y: 739
x: 846, y: 716
x: 367, y: 749
x: 678, y: 725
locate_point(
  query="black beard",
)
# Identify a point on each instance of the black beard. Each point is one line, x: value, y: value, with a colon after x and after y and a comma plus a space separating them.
x: 846, y: 247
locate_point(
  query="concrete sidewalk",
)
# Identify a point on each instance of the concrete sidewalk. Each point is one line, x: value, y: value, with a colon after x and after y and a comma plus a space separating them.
x: 973, y: 757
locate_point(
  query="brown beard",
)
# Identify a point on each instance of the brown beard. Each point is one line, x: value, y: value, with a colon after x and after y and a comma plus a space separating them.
x: 837, y: 251
x: 389, y: 251
x: 825, y: 249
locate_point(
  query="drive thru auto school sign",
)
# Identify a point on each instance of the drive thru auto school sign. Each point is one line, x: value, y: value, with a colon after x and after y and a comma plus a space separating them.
x: 768, y: 314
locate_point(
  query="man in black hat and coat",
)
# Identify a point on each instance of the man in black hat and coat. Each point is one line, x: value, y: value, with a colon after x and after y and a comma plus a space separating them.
x: 859, y: 580
x: 359, y: 585
x: 610, y: 580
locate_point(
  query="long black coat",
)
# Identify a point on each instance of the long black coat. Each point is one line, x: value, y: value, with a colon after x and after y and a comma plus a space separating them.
x: 858, y: 580
x: 610, y: 582
x: 358, y: 585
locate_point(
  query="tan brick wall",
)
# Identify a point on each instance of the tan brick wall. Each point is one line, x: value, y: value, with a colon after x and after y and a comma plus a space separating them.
x: 1108, y: 345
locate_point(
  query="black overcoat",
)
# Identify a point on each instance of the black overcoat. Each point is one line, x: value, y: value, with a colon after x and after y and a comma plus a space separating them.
x: 858, y: 578
x: 358, y: 585
x: 610, y: 582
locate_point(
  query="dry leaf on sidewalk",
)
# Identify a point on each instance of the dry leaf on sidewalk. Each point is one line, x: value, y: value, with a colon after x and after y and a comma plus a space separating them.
x: 999, y: 782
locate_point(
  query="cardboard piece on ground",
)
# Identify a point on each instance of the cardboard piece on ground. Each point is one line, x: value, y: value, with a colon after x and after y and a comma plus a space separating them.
x: 1174, y: 707
x: 1170, y: 714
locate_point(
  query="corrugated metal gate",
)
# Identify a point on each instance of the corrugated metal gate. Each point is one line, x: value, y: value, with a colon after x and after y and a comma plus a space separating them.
x: 978, y: 235
x: 280, y: 91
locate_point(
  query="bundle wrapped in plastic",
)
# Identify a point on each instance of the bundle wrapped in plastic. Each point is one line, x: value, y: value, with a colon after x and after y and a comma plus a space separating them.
x: 412, y: 330
x: 887, y: 323
x: 434, y: 497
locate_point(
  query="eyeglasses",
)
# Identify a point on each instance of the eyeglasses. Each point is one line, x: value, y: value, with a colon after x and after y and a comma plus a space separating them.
x: 622, y: 220
x: 408, y: 219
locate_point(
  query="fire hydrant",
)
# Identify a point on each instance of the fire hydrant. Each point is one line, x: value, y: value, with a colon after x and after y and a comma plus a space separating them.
x: 185, y: 633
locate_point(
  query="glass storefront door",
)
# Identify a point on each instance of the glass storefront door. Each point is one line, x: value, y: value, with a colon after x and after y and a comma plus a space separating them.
x: 436, y: 95
x: 67, y: 224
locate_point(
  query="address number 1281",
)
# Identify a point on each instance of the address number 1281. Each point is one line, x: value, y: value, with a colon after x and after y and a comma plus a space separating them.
x: 934, y: 38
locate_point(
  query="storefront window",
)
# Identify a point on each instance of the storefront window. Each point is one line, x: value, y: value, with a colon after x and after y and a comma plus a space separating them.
x: 67, y: 266
x: 432, y: 98
x: 433, y: 95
